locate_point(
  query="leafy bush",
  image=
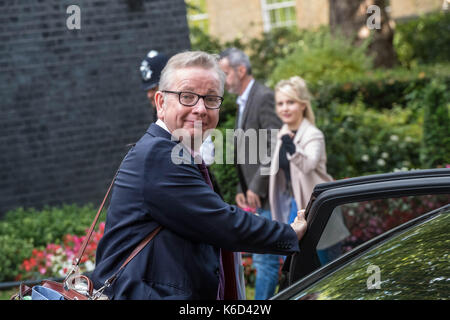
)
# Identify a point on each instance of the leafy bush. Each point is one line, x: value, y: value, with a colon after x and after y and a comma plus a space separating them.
x: 321, y: 58
x: 48, y: 225
x: 13, y: 251
x: 271, y: 48
x: 436, y: 128
x: 382, y: 89
x: 423, y: 40
x: 22, y: 230
x: 361, y: 141
x: 226, y: 174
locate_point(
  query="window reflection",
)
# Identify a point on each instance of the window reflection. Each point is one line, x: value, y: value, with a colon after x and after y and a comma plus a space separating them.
x: 352, y: 224
x: 412, y: 265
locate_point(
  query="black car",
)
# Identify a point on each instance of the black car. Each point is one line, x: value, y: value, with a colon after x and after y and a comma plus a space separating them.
x: 398, y: 245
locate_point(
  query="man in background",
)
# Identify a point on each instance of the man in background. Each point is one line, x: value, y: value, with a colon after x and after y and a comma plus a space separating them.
x: 256, y: 111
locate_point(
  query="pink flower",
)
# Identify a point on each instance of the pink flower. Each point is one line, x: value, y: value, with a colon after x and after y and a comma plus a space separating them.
x: 249, y: 209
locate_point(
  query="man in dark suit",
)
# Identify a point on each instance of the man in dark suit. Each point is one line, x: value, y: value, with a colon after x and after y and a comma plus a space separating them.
x: 161, y: 182
x: 256, y: 112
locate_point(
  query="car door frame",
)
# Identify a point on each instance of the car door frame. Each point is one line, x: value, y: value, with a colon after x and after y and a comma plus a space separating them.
x: 349, y: 257
x: 327, y: 196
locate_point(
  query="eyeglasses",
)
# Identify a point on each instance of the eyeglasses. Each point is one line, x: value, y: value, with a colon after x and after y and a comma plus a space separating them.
x: 190, y: 99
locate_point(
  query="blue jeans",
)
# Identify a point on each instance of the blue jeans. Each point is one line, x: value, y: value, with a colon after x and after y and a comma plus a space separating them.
x: 267, y: 266
x: 293, y: 211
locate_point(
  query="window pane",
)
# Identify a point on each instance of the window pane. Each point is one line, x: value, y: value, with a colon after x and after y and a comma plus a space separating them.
x: 352, y: 224
x: 281, y: 13
x: 412, y: 265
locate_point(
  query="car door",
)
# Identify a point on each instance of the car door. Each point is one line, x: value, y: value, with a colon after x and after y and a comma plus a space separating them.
x: 408, y: 262
x: 390, y: 199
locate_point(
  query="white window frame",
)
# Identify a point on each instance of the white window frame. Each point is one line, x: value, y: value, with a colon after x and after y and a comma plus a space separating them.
x: 266, y: 8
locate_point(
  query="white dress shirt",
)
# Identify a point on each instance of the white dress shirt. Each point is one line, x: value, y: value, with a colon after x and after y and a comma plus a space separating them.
x: 242, y: 101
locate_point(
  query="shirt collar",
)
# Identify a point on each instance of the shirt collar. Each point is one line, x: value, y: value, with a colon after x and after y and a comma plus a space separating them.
x: 196, y: 155
x: 161, y: 123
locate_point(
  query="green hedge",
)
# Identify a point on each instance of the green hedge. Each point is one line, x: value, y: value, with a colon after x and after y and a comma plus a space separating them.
x: 435, y: 99
x: 322, y: 58
x: 361, y: 140
x: 21, y: 230
x: 382, y: 89
x: 423, y: 40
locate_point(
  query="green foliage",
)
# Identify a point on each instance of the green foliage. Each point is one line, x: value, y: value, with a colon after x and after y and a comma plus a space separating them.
x: 382, y: 89
x: 361, y: 140
x: 203, y: 42
x: 226, y: 174
x: 436, y: 128
x: 266, y: 52
x: 47, y: 225
x: 423, y: 40
x: 22, y: 230
x: 13, y: 251
x: 320, y: 58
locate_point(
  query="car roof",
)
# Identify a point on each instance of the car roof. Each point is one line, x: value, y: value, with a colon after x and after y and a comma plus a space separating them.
x: 383, y: 177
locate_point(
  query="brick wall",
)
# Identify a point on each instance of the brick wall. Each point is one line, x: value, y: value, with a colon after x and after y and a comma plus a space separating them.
x: 70, y: 100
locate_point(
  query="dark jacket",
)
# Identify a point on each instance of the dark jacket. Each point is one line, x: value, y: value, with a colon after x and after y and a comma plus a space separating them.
x: 182, y: 261
x: 259, y: 113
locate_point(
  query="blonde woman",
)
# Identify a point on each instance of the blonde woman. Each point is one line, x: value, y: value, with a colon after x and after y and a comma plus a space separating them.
x: 300, y: 158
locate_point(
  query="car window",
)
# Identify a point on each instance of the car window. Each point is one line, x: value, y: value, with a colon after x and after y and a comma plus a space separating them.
x: 411, y: 265
x: 352, y: 224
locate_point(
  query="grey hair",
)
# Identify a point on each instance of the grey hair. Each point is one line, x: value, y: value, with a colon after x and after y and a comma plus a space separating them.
x: 237, y: 58
x: 189, y: 59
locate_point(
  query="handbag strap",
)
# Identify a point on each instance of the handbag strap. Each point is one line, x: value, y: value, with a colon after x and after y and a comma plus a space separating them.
x: 88, y: 237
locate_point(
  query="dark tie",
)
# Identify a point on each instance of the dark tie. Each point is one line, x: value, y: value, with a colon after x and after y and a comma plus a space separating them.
x: 205, y: 173
x: 230, y: 291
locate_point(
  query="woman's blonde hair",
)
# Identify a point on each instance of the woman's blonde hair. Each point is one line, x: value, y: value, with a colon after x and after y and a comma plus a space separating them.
x: 296, y: 89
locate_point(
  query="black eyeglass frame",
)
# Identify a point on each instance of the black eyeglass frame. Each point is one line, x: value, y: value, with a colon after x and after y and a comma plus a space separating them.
x: 198, y: 98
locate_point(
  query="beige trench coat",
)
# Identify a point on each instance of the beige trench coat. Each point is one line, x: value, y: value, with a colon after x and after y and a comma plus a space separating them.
x: 307, y: 168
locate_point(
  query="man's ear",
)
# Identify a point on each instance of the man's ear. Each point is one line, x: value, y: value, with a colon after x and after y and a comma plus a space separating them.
x: 159, y: 101
x: 241, y: 71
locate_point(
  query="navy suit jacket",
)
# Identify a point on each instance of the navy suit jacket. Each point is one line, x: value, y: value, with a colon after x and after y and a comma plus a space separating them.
x: 182, y: 261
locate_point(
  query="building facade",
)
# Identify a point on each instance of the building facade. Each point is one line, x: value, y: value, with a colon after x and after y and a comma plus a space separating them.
x: 246, y: 19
